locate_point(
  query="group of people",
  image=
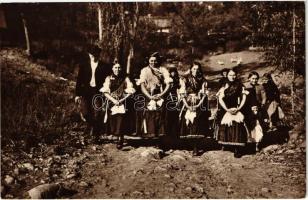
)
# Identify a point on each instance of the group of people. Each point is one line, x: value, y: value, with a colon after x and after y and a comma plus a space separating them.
x: 162, y: 104
x: 246, y: 111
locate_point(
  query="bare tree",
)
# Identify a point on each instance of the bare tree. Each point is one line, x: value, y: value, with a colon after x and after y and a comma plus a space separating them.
x: 100, y: 28
x: 294, y: 59
x: 118, y: 23
x: 133, y: 24
x: 28, y: 50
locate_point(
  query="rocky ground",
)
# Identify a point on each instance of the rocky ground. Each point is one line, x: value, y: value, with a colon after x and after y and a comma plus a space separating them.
x: 102, y: 171
x: 62, y: 163
x: 144, y: 173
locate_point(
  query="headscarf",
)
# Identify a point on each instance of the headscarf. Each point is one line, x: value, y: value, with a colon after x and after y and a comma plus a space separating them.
x: 271, y: 89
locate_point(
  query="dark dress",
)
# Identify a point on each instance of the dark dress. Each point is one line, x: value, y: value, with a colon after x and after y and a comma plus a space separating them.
x: 256, y: 97
x: 236, y: 133
x: 272, y: 95
x: 193, y: 89
x: 117, y: 87
x: 172, y: 125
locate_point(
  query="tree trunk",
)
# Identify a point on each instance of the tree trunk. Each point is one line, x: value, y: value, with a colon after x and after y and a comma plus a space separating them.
x: 28, y: 50
x: 132, y: 34
x: 294, y: 59
x: 129, y: 59
x: 100, y: 28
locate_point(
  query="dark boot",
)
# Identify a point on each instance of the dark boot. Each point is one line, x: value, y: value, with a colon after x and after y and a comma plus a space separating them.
x: 120, y: 142
x: 96, y: 136
x: 237, y: 152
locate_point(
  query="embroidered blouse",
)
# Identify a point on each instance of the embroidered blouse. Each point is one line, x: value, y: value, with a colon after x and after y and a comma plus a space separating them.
x: 192, y: 85
x: 231, y: 94
x: 154, y: 79
x: 117, y: 86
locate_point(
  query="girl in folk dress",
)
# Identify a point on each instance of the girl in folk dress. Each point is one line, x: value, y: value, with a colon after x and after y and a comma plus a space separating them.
x: 220, y: 112
x: 116, y: 89
x: 232, y: 129
x: 253, y: 111
x: 272, y: 104
x: 194, y: 114
x: 155, y: 82
x: 172, y: 126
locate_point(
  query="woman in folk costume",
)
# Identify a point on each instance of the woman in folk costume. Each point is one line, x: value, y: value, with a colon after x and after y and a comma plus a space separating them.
x: 155, y: 82
x: 272, y: 104
x: 117, y: 88
x: 254, y: 114
x: 194, y: 113
x: 172, y: 126
x: 220, y: 112
x: 232, y: 129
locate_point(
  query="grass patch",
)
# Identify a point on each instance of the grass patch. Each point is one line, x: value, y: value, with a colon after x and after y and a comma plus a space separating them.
x: 34, y: 108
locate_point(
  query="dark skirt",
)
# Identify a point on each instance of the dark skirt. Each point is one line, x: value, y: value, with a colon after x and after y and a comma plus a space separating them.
x: 150, y: 123
x: 233, y: 135
x: 138, y: 123
x: 153, y: 123
x: 117, y: 124
x: 172, y: 123
x: 121, y: 124
x: 200, y: 127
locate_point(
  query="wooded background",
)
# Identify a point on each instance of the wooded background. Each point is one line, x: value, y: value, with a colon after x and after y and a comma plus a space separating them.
x: 128, y: 31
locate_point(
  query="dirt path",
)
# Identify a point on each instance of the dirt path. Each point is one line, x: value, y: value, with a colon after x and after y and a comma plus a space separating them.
x: 145, y: 173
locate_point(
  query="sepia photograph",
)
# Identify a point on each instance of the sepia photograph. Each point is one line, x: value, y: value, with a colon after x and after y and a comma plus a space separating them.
x: 153, y: 100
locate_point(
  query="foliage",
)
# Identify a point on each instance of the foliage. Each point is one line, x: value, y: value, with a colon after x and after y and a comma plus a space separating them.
x: 61, y: 30
x: 272, y: 29
x: 198, y: 21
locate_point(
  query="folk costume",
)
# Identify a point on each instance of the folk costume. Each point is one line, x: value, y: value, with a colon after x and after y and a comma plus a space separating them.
x: 232, y: 129
x: 154, y: 81
x: 119, y: 87
x: 172, y: 106
x: 194, y: 122
x: 253, y: 110
x: 273, y: 104
x: 219, y: 111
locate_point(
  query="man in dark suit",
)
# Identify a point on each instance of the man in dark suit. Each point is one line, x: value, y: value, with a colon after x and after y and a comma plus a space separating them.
x: 91, y: 76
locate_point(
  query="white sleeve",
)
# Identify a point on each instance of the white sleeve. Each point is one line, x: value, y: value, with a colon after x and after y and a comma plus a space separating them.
x: 203, y: 88
x: 221, y: 92
x: 106, y: 86
x: 129, y: 87
x: 182, y: 89
x: 166, y: 74
x: 244, y: 91
x: 142, y: 78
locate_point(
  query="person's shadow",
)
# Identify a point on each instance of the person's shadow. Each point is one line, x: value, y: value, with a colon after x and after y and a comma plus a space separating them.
x: 204, y: 144
x: 175, y: 143
x: 276, y: 136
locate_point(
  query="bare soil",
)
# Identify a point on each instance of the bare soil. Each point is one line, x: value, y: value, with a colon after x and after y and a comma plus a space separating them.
x: 214, y: 174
